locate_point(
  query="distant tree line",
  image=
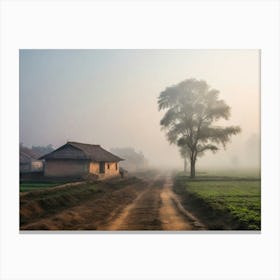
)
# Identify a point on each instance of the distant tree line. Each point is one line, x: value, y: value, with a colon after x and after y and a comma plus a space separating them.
x: 40, y: 150
x: 43, y: 150
x: 133, y: 160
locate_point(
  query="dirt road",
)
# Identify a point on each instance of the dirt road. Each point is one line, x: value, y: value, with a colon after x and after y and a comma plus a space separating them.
x: 146, y: 204
x: 171, y: 217
x: 156, y: 208
x: 141, y: 214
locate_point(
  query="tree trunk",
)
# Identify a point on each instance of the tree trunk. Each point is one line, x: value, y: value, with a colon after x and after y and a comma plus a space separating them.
x: 192, y: 168
x: 185, y: 165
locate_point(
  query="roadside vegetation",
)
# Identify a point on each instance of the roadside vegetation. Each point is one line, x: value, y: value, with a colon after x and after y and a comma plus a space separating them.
x: 223, y: 201
x: 45, y: 208
x: 38, y: 185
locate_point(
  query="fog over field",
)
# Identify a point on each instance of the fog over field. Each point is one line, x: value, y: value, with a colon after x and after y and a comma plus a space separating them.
x: 109, y: 97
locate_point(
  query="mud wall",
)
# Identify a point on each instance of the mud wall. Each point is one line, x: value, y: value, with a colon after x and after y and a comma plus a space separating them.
x: 94, y: 168
x: 66, y: 168
x: 111, y: 169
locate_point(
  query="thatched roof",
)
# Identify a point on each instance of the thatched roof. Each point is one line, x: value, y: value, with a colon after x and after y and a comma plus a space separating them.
x: 27, y: 155
x: 75, y: 150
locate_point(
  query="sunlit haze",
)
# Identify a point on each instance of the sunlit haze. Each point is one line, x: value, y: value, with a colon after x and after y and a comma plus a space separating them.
x: 109, y: 97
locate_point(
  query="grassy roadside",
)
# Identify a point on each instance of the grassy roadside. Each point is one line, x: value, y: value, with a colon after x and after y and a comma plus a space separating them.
x: 33, y: 186
x: 222, y: 202
x: 38, y: 204
x: 49, y: 200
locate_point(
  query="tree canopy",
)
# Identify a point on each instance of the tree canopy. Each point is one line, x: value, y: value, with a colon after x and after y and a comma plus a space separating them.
x: 192, y: 108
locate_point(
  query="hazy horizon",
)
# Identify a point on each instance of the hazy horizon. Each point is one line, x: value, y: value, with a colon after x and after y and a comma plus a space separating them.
x: 109, y: 97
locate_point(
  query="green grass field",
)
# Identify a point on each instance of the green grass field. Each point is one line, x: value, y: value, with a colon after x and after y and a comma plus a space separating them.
x: 33, y: 186
x: 238, y: 198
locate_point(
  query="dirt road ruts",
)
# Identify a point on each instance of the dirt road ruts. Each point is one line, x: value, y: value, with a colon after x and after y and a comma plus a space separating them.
x: 156, y: 208
x: 145, y: 204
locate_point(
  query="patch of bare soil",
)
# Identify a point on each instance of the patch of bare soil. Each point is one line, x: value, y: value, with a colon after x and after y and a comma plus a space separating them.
x: 172, y: 214
x: 156, y: 208
x: 142, y: 214
x: 148, y: 203
x: 81, y: 210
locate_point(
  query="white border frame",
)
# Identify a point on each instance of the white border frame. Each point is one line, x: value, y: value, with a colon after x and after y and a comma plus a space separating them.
x: 156, y: 24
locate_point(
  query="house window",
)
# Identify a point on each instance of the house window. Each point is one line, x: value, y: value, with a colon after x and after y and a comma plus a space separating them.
x: 108, y: 165
x: 102, y: 167
x: 116, y: 166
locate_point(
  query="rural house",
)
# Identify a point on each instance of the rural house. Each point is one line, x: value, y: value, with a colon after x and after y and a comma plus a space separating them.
x: 80, y: 160
x: 29, y: 161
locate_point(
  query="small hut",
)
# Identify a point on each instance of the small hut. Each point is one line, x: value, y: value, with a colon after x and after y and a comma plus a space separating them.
x: 78, y: 160
x: 29, y: 161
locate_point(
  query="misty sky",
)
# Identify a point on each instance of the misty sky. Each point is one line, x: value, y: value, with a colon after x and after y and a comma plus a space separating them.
x: 109, y: 97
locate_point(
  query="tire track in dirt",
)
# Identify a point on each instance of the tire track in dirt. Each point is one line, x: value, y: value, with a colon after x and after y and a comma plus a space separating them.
x: 147, y: 204
x: 142, y: 214
x: 172, y: 214
x: 89, y: 214
x: 156, y: 208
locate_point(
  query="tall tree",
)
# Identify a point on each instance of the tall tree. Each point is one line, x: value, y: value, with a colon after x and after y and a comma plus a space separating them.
x: 192, y: 109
